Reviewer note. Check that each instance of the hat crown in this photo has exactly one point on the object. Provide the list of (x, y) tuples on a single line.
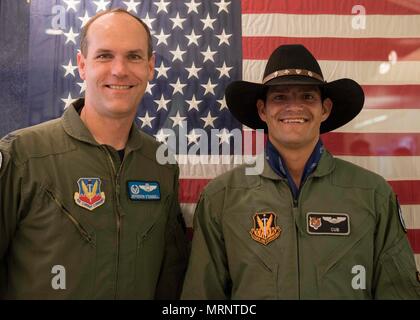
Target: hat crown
[(292, 56)]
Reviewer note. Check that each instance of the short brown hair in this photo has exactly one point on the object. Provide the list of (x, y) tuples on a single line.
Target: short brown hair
[(83, 36)]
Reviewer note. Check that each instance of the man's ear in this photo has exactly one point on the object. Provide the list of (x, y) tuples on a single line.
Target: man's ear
[(81, 65), (261, 110), (151, 63), (326, 108)]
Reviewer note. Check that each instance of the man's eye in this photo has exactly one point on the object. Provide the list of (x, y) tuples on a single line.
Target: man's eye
[(135, 57), (308, 96), (104, 56), (280, 97)]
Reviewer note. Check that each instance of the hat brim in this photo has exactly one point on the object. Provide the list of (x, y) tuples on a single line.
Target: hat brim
[(346, 94)]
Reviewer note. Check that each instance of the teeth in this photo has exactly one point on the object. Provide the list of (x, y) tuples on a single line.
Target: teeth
[(119, 87), (293, 120)]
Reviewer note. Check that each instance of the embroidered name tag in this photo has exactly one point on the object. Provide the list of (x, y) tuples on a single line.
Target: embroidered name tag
[(143, 190), (328, 223)]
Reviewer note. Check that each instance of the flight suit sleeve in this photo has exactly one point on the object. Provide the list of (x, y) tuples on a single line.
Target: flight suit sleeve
[(207, 274), (395, 276), (176, 251), (9, 201)]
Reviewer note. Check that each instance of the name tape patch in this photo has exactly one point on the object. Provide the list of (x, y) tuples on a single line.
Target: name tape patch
[(328, 223), (143, 190)]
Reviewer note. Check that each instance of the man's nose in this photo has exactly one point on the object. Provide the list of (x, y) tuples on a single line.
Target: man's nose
[(119, 67)]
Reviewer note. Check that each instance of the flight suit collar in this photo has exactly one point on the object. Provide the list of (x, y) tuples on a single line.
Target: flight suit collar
[(325, 166), (75, 128)]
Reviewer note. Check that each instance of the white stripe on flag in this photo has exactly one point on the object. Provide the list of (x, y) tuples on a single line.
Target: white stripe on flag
[(327, 25), (364, 72), (391, 168), (384, 121), (411, 215)]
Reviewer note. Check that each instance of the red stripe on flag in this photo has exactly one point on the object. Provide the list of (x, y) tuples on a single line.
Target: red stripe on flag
[(349, 49), (190, 189), (407, 191), (392, 96), (372, 144), (414, 238), (330, 7)]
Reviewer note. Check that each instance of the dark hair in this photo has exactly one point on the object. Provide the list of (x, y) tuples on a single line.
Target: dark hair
[(83, 36)]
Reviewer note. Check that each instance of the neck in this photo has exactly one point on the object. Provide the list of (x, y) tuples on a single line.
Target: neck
[(295, 159), (109, 131)]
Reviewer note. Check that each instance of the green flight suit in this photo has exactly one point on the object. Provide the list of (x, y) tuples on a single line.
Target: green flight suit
[(112, 248), (229, 259)]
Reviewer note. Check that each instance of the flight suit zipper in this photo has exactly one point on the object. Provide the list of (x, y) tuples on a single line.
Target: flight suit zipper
[(76, 223), (116, 183)]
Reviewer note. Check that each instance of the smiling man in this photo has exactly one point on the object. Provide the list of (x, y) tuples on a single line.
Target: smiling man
[(86, 212), (310, 226)]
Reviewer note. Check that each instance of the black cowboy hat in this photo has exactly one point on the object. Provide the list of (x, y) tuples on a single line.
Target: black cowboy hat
[(295, 65)]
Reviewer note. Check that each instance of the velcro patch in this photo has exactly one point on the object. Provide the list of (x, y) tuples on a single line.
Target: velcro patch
[(318, 223), (143, 190)]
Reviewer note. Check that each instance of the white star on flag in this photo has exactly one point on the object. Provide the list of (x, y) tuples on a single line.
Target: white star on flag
[(161, 6), (222, 6), (82, 86), (84, 19), (177, 21), (192, 6), (224, 38), (162, 71), (208, 22), (208, 54), (68, 101), (149, 87), (177, 120), (101, 5), (161, 137), (223, 104), (69, 69), (146, 120), (224, 136), (178, 87), (193, 103), (177, 54), (224, 70), (131, 5), (162, 103), (71, 4), (71, 36), (148, 21), (192, 137), (193, 71), (162, 38), (192, 38), (209, 87), (208, 121)]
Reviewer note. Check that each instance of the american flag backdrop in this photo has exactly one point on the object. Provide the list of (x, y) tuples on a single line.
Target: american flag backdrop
[(202, 45)]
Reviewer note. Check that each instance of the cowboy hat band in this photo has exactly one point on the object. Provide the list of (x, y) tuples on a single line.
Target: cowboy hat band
[(294, 65)]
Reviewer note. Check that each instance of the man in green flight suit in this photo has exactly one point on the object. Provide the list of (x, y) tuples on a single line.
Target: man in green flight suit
[(310, 226), (86, 212)]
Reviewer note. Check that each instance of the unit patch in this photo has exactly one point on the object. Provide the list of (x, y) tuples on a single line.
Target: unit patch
[(265, 229), (328, 223), (143, 190), (89, 196)]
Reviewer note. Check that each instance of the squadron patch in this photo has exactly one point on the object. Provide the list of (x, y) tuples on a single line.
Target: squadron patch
[(328, 223), (143, 190), (265, 229), (89, 196)]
